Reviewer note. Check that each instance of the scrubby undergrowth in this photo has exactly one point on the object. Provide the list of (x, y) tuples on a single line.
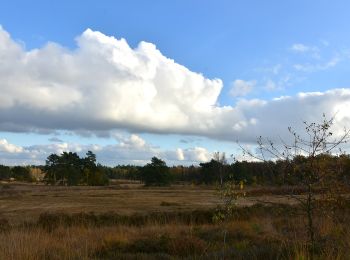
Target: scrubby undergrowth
[(258, 232)]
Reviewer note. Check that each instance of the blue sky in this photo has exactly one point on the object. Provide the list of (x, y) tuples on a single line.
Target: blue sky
[(259, 50)]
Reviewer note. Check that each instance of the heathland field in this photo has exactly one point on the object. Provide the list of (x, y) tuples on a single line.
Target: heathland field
[(25, 202), (126, 220)]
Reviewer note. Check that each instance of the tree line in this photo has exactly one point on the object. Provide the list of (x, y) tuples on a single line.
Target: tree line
[(20, 173), (69, 169), (280, 172)]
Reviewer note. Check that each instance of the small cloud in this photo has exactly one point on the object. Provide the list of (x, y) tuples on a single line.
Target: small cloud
[(55, 140), (299, 47), (137, 141), (280, 84), (201, 154), (195, 154), (242, 87), (189, 140), (308, 67), (331, 63), (271, 85), (314, 51), (325, 43), (133, 141), (180, 154), (5, 146), (271, 69), (276, 69)]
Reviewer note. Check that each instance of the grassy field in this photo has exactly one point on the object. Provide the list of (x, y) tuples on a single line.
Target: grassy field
[(128, 221), (25, 202)]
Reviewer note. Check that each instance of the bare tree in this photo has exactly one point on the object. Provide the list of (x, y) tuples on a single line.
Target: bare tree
[(221, 158), (306, 154)]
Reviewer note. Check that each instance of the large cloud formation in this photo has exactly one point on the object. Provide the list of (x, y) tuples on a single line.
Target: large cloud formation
[(101, 85), (104, 84)]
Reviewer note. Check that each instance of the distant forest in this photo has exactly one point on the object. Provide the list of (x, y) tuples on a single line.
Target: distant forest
[(70, 169)]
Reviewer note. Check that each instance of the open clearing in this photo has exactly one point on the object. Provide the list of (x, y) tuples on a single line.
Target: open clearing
[(260, 232), (24, 202)]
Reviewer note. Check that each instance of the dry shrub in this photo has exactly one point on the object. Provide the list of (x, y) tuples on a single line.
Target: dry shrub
[(163, 244), (169, 204), (51, 221), (4, 225)]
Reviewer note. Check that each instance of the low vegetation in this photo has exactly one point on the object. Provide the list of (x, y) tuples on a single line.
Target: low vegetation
[(256, 232)]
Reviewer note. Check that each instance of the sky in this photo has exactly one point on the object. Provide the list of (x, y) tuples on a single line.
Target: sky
[(179, 80)]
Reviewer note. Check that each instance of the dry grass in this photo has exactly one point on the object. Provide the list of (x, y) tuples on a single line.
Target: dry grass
[(25, 202), (133, 222), (255, 238)]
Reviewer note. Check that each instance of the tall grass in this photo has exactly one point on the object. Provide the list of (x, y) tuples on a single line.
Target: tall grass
[(258, 232)]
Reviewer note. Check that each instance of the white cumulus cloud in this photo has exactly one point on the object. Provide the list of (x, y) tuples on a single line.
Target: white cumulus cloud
[(9, 148), (103, 84)]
